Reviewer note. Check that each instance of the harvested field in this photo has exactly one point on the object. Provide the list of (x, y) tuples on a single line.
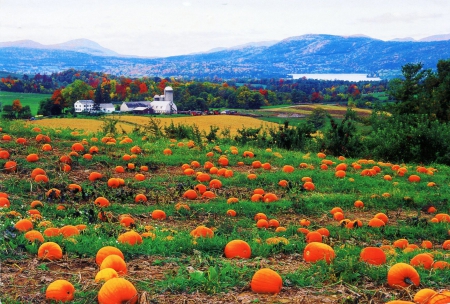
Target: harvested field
[(127, 122)]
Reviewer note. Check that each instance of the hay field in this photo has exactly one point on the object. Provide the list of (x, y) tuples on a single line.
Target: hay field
[(335, 111), (127, 122)]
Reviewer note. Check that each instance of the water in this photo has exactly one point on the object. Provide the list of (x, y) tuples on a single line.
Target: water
[(348, 77)]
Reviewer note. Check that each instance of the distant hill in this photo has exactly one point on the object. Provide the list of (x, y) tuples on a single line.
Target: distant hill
[(300, 54), (78, 45)]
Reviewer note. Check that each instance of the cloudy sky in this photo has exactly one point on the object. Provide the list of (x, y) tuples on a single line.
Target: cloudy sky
[(174, 27)]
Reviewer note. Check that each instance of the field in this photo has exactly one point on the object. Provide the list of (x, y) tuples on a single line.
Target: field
[(177, 212), (26, 99), (333, 110), (128, 122)]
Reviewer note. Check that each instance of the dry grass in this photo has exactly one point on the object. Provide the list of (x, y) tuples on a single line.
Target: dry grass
[(203, 122), (337, 111)]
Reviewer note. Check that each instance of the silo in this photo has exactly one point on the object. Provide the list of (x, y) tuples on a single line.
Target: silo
[(168, 94)]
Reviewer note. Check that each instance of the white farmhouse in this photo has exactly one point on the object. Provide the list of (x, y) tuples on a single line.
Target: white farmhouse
[(132, 105), (83, 106), (88, 106)]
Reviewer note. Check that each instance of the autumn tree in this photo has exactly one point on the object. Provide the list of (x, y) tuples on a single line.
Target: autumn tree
[(16, 106)]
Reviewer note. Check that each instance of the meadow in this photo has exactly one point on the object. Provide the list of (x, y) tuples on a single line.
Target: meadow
[(202, 222), (26, 99)]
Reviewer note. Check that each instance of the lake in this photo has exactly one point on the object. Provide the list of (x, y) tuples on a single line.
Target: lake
[(348, 77)]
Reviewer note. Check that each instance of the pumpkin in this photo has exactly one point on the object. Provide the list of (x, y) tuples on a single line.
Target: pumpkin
[(266, 281), (251, 176), (303, 230), (93, 176), (414, 178), (422, 259), (167, 151), (31, 158), (24, 225), (336, 209), (105, 275), (34, 235), (231, 212), (313, 236), (426, 245), (237, 249), (424, 295), (401, 243), (446, 245), (340, 174), (103, 252), (382, 217), (316, 251), (10, 166), (69, 230), (262, 223), (60, 290), (49, 232), (305, 222), (288, 169), (158, 214), (208, 194), (270, 197), (115, 262), (75, 188), (101, 202), (4, 202), (119, 169), (259, 216), (232, 200), (441, 265), (130, 237), (376, 222), (50, 251), (215, 184), (139, 177), (283, 183), (140, 198), (324, 231), (321, 155), (402, 275), (202, 231), (373, 256), (338, 216), (126, 221), (358, 204), (117, 291), (309, 186), (274, 223), (442, 297), (257, 197)]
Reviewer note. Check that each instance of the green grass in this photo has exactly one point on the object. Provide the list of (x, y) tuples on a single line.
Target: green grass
[(26, 99), (198, 265)]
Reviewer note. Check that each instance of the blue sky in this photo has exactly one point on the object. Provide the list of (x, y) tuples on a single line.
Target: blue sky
[(173, 27)]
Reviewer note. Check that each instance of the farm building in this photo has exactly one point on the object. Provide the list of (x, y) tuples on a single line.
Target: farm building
[(88, 106), (162, 104)]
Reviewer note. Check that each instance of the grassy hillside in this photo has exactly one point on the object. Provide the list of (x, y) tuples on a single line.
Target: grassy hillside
[(26, 99)]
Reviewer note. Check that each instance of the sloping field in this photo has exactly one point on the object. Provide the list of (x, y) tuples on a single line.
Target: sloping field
[(335, 111), (127, 122)]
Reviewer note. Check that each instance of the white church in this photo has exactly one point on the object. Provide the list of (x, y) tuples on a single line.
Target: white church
[(161, 104)]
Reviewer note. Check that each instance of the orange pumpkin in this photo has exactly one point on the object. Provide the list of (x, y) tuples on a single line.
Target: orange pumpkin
[(158, 214), (402, 275), (105, 275), (69, 230), (117, 290), (115, 262), (31, 158), (24, 225), (422, 259), (190, 194), (60, 290), (313, 236), (237, 249), (316, 251), (373, 256), (34, 235), (441, 297), (424, 295), (266, 281), (50, 251), (140, 198), (130, 237), (103, 252), (202, 231)]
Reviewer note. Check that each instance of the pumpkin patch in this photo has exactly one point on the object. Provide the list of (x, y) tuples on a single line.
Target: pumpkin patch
[(128, 218)]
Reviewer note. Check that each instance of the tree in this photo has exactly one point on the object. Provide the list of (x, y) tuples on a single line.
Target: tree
[(78, 90), (98, 98), (16, 106)]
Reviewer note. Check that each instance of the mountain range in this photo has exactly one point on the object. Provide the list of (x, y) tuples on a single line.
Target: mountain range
[(311, 53)]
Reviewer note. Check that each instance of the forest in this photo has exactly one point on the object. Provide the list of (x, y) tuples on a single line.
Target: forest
[(189, 94)]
